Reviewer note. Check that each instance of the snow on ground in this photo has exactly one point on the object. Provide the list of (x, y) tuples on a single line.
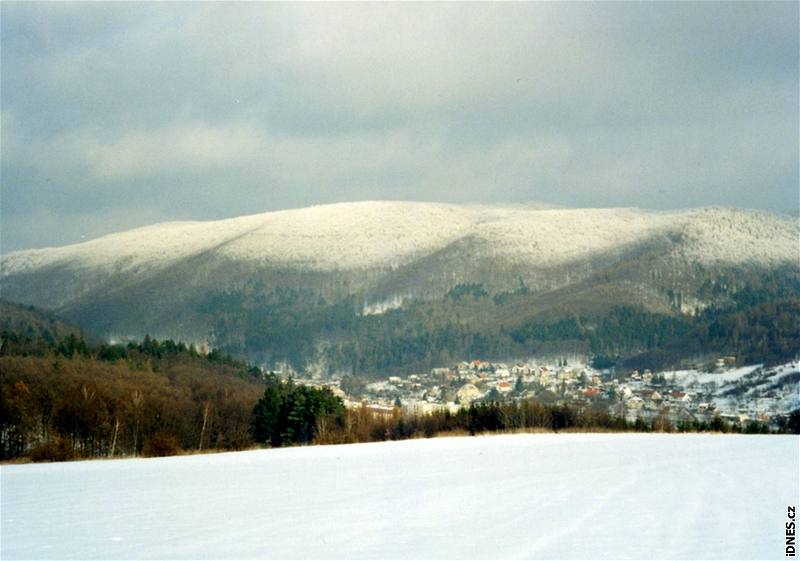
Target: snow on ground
[(516, 496), (720, 235), (387, 234), (689, 377), (747, 389), (775, 389)]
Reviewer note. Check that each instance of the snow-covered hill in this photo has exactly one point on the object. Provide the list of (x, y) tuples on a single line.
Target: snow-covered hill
[(747, 389), (545, 496), (160, 278), (388, 234)]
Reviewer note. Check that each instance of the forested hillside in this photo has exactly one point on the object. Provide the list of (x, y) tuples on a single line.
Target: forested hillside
[(381, 287), (65, 398), (33, 323), (754, 317)]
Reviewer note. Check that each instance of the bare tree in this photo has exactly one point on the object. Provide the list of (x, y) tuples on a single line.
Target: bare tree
[(114, 440), (205, 422), (136, 399)]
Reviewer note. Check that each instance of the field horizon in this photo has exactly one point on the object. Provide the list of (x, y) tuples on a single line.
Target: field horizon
[(503, 496)]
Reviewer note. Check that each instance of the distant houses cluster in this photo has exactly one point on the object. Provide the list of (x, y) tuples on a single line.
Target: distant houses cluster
[(646, 394)]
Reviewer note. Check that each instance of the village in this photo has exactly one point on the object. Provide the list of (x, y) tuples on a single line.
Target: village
[(680, 396)]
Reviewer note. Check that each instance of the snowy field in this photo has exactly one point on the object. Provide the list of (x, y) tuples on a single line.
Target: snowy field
[(518, 496)]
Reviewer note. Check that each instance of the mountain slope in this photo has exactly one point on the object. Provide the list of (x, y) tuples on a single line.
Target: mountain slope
[(29, 322), (390, 234), (315, 271)]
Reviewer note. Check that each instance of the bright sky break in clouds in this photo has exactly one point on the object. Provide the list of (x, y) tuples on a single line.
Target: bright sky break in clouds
[(116, 115)]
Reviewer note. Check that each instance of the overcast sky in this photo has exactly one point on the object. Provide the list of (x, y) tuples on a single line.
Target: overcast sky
[(120, 115)]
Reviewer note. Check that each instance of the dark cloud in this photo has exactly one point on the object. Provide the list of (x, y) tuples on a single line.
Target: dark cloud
[(119, 114)]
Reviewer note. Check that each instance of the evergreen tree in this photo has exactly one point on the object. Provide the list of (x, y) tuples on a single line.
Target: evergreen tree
[(288, 413)]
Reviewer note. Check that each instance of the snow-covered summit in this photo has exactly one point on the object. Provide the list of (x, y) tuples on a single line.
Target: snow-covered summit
[(389, 234)]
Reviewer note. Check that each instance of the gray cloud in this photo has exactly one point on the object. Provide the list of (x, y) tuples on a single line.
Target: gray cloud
[(118, 115)]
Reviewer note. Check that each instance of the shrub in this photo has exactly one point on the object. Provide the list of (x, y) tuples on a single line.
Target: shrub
[(162, 444), (56, 450)]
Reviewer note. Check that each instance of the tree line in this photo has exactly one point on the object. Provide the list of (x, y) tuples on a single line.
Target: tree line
[(364, 424), (290, 414), (75, 400), (68, 399)]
